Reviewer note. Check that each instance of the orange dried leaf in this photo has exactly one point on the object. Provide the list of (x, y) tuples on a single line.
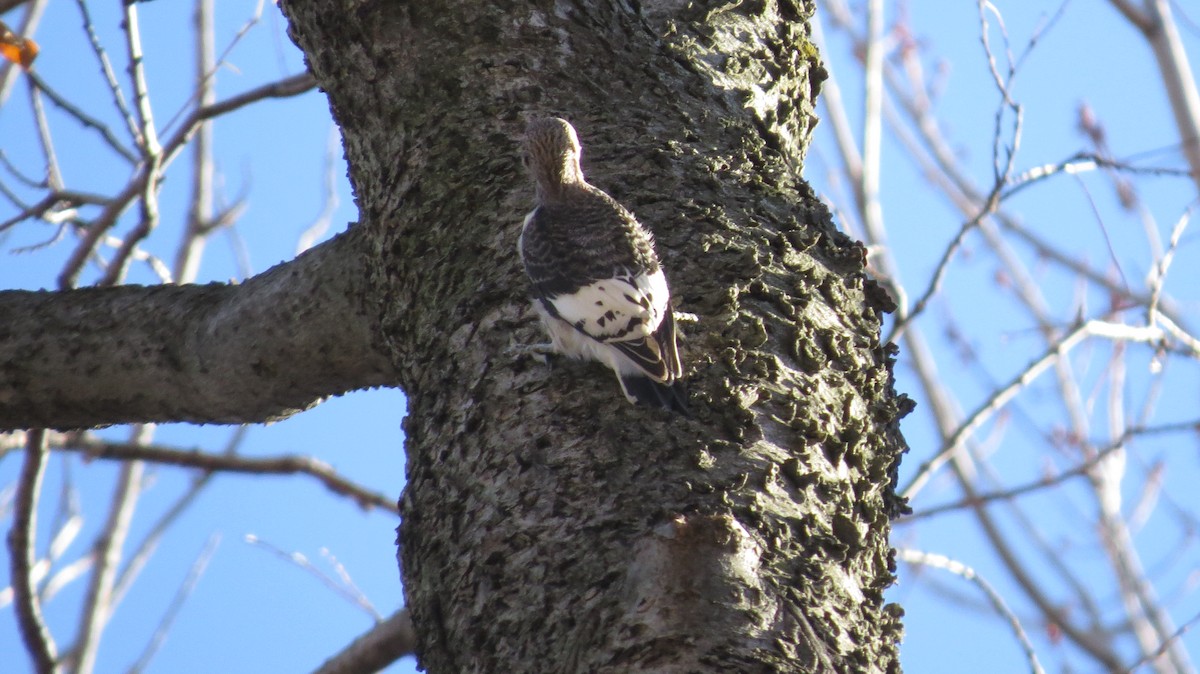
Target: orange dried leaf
[(17, 49)]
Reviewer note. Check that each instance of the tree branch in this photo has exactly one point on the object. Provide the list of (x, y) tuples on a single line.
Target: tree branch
[(38, 641), (379, 647), (195, 458), (181, 596), (1003, 395), (145, 176), (994, 597), (98, 604), (215, 353)]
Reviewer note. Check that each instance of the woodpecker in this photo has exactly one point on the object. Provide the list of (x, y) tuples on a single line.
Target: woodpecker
[(598, 285)]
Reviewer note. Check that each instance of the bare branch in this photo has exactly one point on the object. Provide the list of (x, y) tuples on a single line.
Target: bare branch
[(1001, 175), (206, 76), (997, 602), (146, 224), (1167, 643), (347, 591), (285, 88), (1079, 470), (195, 458), (1177, 77), (291, 86), (53, 174), (149, 544), (215, 353), (382, 645), (181, 596), (107, 70), (98, 602), (141, 93), (61, 202), (870, 210), (1158, 275), (1001, 397), (82, 117), (1137, 17), (200, 208), (21, 548), (939, 273)]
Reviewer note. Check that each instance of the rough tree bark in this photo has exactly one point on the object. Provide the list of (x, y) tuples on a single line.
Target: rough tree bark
[(215, 353), (547, 524)]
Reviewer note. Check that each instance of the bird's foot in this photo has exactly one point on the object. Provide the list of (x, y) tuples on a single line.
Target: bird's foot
[(521, 350)]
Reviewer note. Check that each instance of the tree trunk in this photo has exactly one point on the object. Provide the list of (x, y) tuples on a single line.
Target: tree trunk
[(548, 525)]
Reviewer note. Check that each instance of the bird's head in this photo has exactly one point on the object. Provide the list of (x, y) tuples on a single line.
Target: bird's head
[(552, 155)]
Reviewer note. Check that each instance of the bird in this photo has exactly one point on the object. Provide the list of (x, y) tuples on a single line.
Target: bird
[(597, 283)]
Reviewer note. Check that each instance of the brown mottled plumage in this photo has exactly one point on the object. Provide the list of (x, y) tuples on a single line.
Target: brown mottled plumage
[(597, 282)]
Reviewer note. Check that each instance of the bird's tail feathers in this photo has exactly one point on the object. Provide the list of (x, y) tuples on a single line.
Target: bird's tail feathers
[(643, 389)]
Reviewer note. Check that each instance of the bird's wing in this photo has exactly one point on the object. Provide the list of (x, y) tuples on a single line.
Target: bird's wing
[(626, 312)]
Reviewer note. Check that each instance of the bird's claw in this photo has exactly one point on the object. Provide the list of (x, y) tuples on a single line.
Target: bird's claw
[(521, 350)]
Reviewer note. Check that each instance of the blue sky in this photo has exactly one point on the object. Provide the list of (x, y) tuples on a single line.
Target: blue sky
[(269, 615)]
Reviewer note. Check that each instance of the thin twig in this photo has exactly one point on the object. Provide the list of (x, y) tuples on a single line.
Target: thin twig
[(1190, 343), (1175, 70), (82, 117), (53, 174), (867, 186), (157, 266), (347, 580), (349, 593), (146, 223), (149, 543), (151, 152), (200, 208), (997, 602), (1159, 275), (141, 92), (281, 465), (56, 200), (1046, 482), (110, 77), (1083, 162), (213, 65), (68, 518), (21, 547), (16, 172), (291, 86), (939, 273), (1001, 397), (65, 575), (98, 604), (181, 596), (1167, 643)]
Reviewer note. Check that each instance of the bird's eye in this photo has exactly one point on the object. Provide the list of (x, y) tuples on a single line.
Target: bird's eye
[(525, 160)]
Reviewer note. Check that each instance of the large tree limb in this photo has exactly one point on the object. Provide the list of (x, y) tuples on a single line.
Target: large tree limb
[(216, 353)]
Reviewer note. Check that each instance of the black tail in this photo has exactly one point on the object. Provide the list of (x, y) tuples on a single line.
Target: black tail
[(646, 391)]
